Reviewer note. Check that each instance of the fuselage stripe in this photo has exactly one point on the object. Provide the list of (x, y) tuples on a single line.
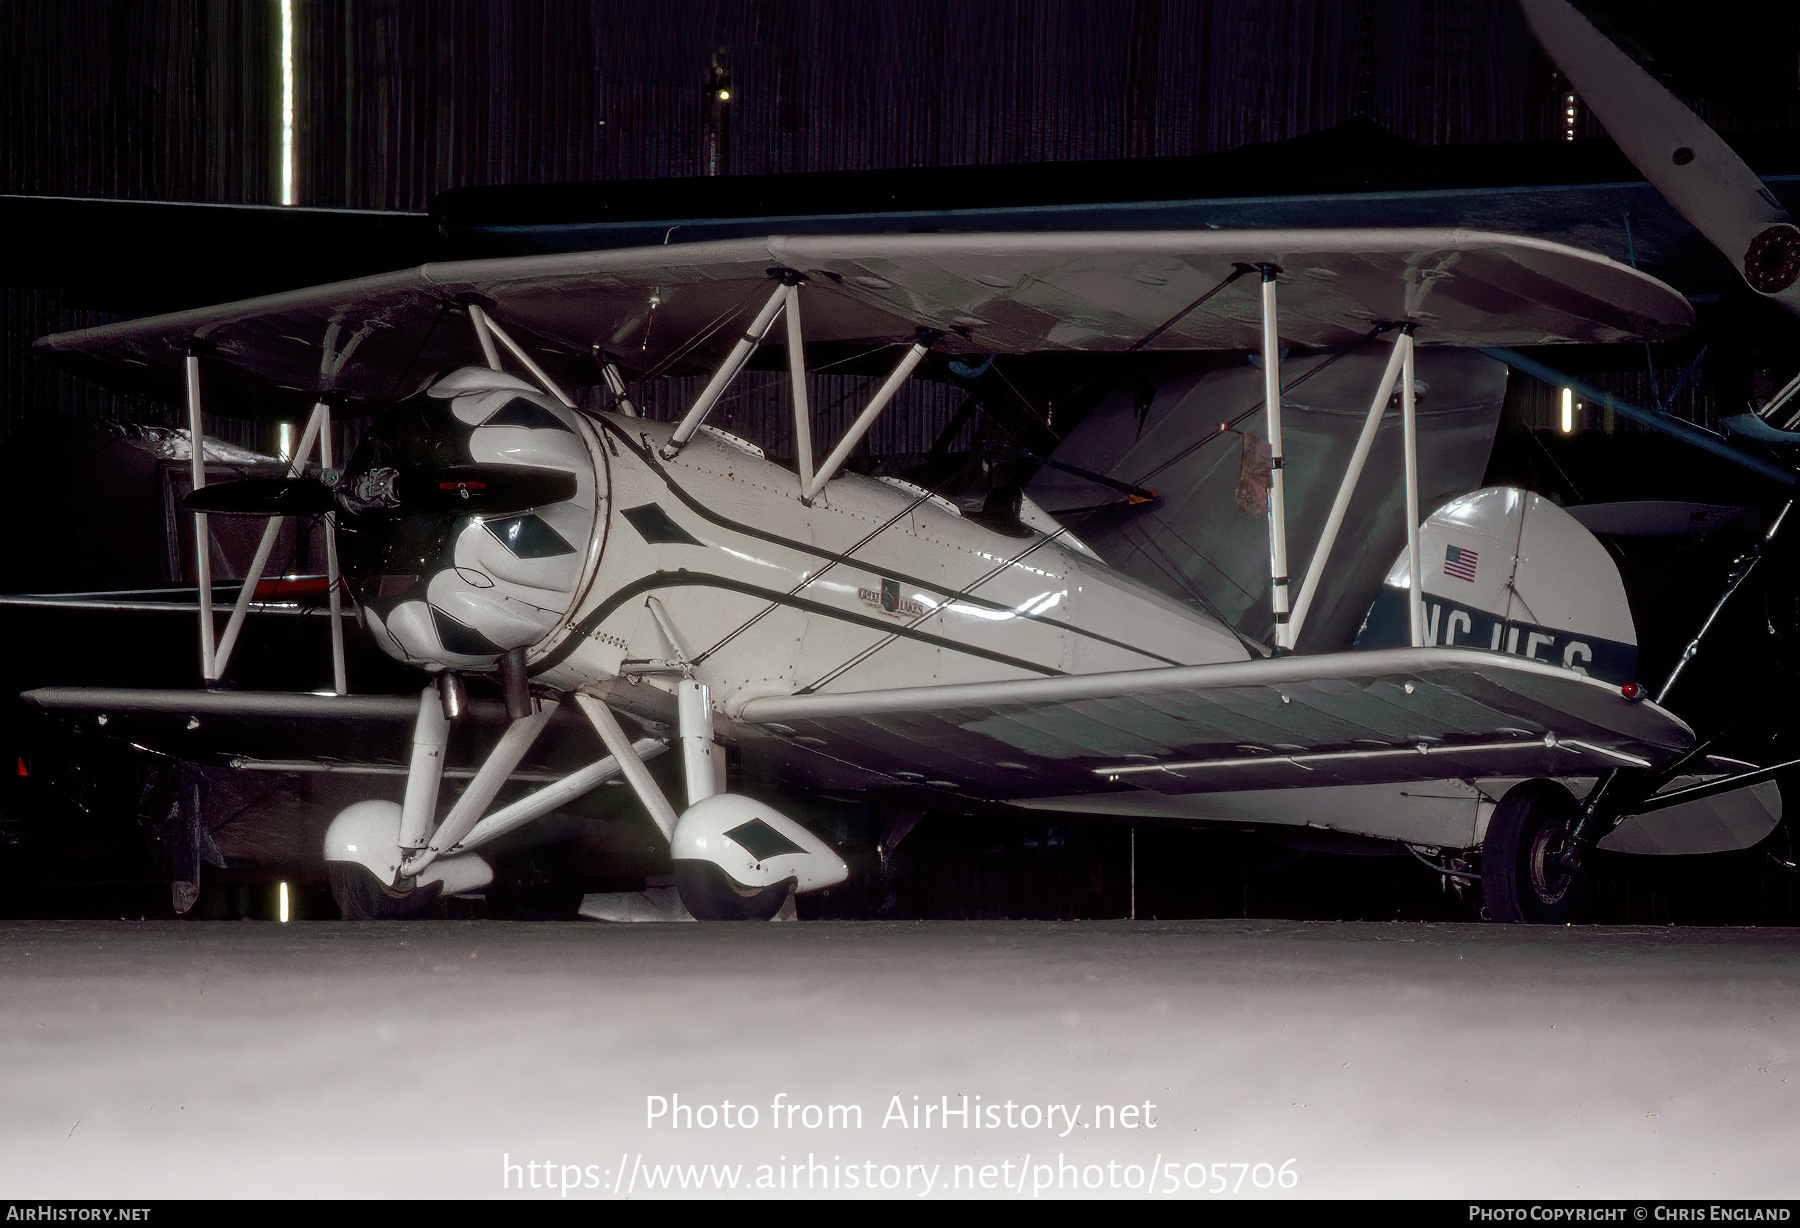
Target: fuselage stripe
[(679, 579)]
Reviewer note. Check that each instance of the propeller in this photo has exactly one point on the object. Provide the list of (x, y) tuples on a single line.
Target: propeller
[(1683, 158), (486, 490), (262, 497)]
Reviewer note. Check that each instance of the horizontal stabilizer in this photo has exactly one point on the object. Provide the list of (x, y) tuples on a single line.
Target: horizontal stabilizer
[(1662, 517)]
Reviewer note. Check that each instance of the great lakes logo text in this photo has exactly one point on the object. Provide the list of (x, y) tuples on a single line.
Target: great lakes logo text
[(888, 600)]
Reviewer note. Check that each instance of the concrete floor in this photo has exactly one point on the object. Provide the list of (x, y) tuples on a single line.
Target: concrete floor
[(411, 1060)]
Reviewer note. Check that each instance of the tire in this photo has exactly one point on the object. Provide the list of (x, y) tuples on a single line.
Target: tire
[(1520, 881), (711, 895), (361, 896)]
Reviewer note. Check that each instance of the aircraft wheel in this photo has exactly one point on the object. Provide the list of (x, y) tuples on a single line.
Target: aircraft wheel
[(361, 896), (711, 895), (1521, 880)]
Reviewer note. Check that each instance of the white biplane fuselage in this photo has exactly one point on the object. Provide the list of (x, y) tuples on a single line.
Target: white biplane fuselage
[(876, 585)]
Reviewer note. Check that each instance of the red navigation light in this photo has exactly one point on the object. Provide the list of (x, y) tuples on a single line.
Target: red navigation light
[(1632, 690)]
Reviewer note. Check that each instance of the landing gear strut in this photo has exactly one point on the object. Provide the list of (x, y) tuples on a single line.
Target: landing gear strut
[(735, 859), (1536, 855)]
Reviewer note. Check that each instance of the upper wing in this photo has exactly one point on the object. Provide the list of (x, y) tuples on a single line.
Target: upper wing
[(1339, 718), (379, 337)]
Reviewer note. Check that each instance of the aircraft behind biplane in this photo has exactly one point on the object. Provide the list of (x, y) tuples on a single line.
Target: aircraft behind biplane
[(679, 589)]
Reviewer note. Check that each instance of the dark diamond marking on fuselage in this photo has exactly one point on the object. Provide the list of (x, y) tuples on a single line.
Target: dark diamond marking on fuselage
[(528, 537), (520, 412), (460, 637), (657, 528), (761, 841)]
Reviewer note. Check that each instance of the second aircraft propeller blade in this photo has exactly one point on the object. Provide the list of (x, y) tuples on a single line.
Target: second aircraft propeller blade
[(1684, 159)]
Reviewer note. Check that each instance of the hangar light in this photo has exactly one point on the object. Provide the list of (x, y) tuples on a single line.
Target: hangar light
[(1568, 411), (284, 903), (287, 102)]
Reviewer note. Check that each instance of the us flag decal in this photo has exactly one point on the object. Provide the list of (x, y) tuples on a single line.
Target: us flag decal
[(1459, 562)]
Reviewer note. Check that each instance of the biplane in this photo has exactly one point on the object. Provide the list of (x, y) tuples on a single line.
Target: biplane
[(1446, 668)]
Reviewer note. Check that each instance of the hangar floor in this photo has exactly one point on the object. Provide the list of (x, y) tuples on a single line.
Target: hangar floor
[(418, 1060)]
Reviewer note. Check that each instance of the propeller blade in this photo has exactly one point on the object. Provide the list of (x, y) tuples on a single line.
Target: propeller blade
[(483, 489), (469, 490), (262, 497), (1680, 155)]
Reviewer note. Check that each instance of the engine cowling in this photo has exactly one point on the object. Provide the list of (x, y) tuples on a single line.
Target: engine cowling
[(441, 582)]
